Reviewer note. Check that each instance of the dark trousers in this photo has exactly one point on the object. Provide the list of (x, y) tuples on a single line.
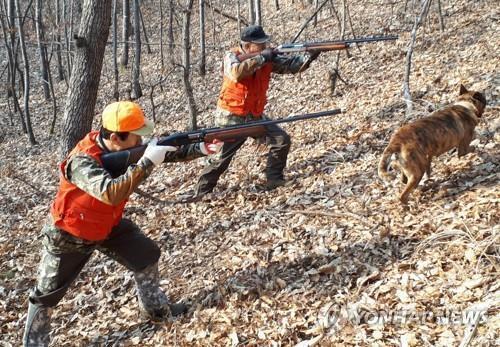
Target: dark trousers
[(64, 256), (276, 138)]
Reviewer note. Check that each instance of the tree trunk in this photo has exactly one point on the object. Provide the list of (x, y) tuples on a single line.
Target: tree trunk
[(334, 74), (193, 113), (67, 35), (84, 83), (148, 46), (440, 13), (161, 37), (26, 98), (258, 12), (60, 69), (9, 33), (406, 83), (171, 31), (116, 92), (42, 49), (202, 63), (238, 16), (251, 12), (125, 31), (136, 85), (11, 30)]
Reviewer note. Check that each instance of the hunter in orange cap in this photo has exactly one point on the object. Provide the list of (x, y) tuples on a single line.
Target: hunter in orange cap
[(86, 215), (126, 116)]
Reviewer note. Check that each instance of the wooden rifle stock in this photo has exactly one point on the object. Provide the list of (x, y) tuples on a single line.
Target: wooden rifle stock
[(321, 46), (117, 162)]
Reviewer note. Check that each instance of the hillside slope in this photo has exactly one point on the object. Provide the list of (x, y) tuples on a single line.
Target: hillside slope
[(321, 260)]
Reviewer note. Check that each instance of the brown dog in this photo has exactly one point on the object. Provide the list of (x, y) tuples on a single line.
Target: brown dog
[(416, 143)]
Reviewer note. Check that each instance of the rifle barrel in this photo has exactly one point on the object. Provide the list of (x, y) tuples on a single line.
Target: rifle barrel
[(276, 121), (297, 47)]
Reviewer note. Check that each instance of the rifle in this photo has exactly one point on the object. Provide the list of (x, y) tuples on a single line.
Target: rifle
[(319, 46), (117, 162)]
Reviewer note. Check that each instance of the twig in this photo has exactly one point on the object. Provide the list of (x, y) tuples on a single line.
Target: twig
[(470, 329), (223, 14), (442, 235), (329, 214), (23, 180), (144, 194), (307, 21)]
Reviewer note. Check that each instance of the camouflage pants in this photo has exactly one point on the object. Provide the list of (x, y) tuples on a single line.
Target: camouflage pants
[(276, 138), (64, 256)]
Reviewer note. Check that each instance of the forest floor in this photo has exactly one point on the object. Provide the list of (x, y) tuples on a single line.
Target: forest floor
[(332, 258)]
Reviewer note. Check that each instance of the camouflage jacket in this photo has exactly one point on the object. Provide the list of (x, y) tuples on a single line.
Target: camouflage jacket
[(236, 70), (87, 174), (282, 64)]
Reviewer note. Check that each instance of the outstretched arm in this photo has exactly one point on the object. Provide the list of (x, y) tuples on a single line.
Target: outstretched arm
[(283, 64), (87, 174)]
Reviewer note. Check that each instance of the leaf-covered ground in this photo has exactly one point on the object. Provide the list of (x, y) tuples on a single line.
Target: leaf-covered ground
[(332, 258)]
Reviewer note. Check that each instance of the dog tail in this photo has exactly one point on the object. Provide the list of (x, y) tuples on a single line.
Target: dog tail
[(384, 161)]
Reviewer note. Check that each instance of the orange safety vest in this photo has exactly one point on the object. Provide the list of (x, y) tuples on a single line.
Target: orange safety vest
[(77, 212), (249, 95)]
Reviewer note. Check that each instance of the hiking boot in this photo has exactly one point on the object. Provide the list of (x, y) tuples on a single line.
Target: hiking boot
[(274, 183), (36, 332), (178, 309), (270, 185), (164, 313), (153, 302), (192, 196)]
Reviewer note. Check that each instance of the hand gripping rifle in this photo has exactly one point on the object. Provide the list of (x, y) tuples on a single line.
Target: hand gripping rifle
[(320, 46), (117, 162)]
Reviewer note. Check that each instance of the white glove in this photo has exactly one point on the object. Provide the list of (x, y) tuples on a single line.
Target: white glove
[(156, 153), (208, 148)]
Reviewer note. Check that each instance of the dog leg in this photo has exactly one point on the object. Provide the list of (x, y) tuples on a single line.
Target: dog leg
[(428, 168), (464, 146), (413, 181), (404, 179)]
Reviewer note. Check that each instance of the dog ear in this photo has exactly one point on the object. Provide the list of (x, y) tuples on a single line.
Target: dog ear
[(463, 90)]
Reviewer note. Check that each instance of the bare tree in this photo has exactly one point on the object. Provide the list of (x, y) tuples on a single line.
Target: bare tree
[(440, 13), (116, 93), (335, 74), (84, 82), (171, 31), (9, 31), (42, 49), (258, 12), (202, 62), (9, 34), (136, 70), (20, 27), (68, 33), (251, 11), (186, 62), (308, 20), (406, 83), (57, 39), (146, 39), (125, 31), (238, 15), (161, 37)]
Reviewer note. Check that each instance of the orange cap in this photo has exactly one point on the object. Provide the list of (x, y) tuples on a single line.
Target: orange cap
[(126, 116)]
